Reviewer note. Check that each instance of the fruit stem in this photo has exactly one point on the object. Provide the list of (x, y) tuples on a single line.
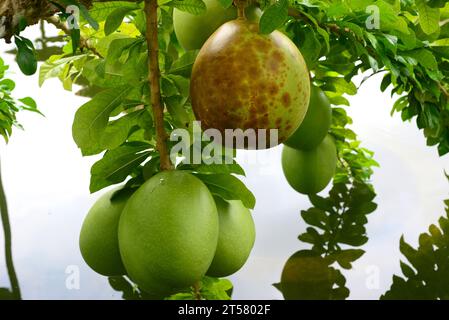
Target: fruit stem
[(196, 290), (241, 5), (154, 82), (8, 243)]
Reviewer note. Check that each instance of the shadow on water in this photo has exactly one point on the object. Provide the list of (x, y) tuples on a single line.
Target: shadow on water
[(129, 290), (340, 219), (14, 293), (426, 270), (336, 230)]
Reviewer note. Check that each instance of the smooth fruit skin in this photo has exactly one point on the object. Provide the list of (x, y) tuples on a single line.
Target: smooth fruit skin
[(316, 124), (192, 31), (168, 232), (236, 237), (98, 238), (242, 79), (309, 172)]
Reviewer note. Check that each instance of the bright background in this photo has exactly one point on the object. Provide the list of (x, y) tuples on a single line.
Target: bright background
[(47, 179)]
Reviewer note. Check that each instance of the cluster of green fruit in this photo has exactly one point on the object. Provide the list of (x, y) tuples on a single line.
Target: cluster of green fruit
[(309, 158), (168, 234), (171, 232)]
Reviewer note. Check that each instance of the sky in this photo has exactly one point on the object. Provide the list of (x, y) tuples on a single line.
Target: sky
[(47, 184)]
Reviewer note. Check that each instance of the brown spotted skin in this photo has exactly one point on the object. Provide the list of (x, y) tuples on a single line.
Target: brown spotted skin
[(242, 79)]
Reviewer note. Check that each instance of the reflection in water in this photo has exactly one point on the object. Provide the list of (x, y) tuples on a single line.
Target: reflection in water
[(309, 276), (129, 290), (340, 219), (334, 221), (426, 276), (6, 294)]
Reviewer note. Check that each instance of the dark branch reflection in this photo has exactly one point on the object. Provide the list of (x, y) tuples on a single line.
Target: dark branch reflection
[(15, 292)]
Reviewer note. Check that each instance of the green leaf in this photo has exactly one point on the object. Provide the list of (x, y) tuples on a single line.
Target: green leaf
[(345, 258), (75, 34), (117, 131), (440, 43), (215, 289), (101, 10), (182, 296), (226, 3), (389, 19), (92, 118), (274, 17), (26, 56), (316, 217), (228, 187), (195, 7), (183, 65), (429, 18), (86, 15), (233, 168), (426, 276), (30, 105), (116, 165), (55, 67), (126, 60), (115, 19), (309, 45), (424, 57), (83, 11)]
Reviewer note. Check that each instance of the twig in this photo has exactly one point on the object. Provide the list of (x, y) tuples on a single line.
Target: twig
[(370, 76), (84, 43), (8, 243), (154, 82)]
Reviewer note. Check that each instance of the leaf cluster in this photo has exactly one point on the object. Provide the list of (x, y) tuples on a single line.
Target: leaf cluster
[(9, 105)]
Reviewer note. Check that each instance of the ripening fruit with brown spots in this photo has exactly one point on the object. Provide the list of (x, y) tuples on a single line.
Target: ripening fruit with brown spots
[(242, 79)]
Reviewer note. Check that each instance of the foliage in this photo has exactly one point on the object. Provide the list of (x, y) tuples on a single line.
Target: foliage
[(407, 40), (426, 276), (9, 105)]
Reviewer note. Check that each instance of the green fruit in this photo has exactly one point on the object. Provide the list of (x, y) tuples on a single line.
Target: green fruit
[(310, 171), (316, 124), (168, 232), (192, 30), (307, 276), (235, 238), (98, 238), (242, 79)]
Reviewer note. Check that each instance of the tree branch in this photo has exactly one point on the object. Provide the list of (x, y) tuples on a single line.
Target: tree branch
[(13, 11), (154, 82), (84, 43)]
